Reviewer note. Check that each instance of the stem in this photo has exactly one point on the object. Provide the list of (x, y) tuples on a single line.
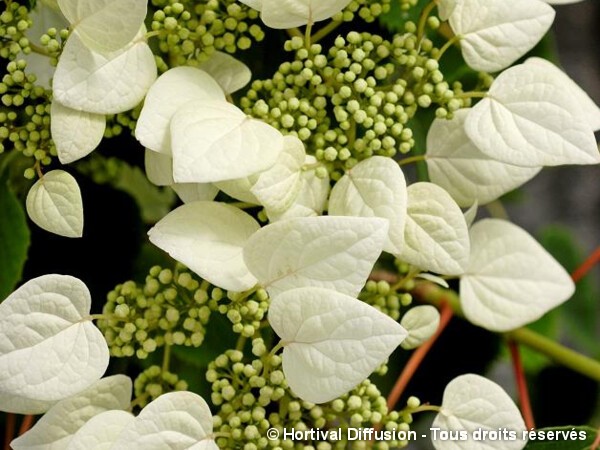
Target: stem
[(166, 358), (596, 442), (472, 94), (417, 358), (38, 170), (294, 32), (586, 266), (446, 46), (424, 408), (243, 205), (411, 160), (526, 410), (497, 210), (325, 31), (307, 35), (11, 423), (241, 342), (26, 424), (423, 20), (435, 295), (39, 50)]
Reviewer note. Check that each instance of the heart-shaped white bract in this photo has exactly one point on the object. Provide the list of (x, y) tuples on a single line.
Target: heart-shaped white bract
[(104, 83), (511, 280), (215, 141), (278, 187), (231, 74), (589, 110), (494, 34), (530, 119), (332, 341), (208, 237), (473, 404), (331, 252), (105, 25), (240, 189), (101, 431), (49, 347), (436, 234), (72, 146), (54, 203), (445, 8), (374, 187), (467, 174), (174, 421), (171, 91), (421, 322), (282, 14), (56, 429)]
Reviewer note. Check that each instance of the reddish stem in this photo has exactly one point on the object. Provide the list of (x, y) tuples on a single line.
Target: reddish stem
[(11, 422), (521, 385), (26, 424), (586, 266), (417, 358), (596, 442)]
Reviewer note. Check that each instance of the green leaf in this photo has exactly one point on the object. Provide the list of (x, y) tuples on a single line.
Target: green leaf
[(559, 438), (14, 239)]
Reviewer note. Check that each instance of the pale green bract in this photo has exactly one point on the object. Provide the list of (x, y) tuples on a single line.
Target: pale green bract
[(54, 203), (331, 341), (421, 322), (63, 422), (510, 279), (282, 14), (231, 74), (48, 344)]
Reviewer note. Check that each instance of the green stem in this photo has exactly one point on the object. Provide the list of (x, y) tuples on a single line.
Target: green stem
[(307, 35), (412, 159), (325, 31), (446, 46), (423, 20), (294, 32), (431, 293), (424, 408), (497, 210), (166, 358), (241, 342), (472, 94)]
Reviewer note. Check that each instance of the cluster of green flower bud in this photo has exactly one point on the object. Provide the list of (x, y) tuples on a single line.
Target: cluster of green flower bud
[(118, 123), (189, 32), (170, 308), (385, 298), (367, 10), (25, 122), (153, 382), (53, 42), (245, 310), (14, 23)]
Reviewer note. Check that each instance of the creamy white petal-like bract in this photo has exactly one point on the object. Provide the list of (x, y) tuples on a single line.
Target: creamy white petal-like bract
[(56, 429), (471, 214), (193, 192), (436, 234), (421, 322), (89, 130), (231, 74), (49, 347), (215, 141), (101, 431), (494, 34), (511, 280), (445, 8), (467, 174), (529, 119), (240, 188), (105, 25), (278, 187), (326, 251), (104, 83), (54, 203), (589, 109), (332, 341), (208, 237), (171, 91), (475, 405), (374, 187), (174, 421), (282, 14)]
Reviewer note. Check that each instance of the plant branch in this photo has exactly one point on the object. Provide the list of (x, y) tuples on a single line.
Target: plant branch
[(26, 424), (525, 402), (417, 358), (11, 422), (586, 266), (294, 32), (325, 31)]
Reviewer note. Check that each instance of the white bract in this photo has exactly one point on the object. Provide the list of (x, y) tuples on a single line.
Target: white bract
[(471, 214), (171, 91), (54, 203), (374, 187), (467, 174), (105, 25), (174, 421), (331, 252), (495, 33), (332, 341), (104, 83), (282, 14), (510, 280), (421, 322), (216, 141), (436, 234), (71, 145), (49, 348), (231, 74), (208, 237), (473, 404), (240, 189), (101, 431), (56, 429), (529, 119)]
